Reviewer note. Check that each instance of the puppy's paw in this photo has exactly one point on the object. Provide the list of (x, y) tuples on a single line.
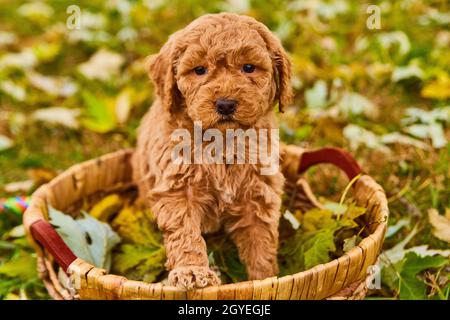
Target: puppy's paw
[(193, 277)]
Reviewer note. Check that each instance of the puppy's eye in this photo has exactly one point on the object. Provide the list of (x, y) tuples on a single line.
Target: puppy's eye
[(200, 70), (248, 68)]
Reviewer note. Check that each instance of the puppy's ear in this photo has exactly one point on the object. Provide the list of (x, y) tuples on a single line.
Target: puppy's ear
[(161, 70), (282, 66)]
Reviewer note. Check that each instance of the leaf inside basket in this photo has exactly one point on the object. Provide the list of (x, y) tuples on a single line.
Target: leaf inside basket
[(89, 239)]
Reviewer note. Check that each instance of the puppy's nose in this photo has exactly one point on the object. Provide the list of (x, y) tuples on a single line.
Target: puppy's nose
[(226, 107)]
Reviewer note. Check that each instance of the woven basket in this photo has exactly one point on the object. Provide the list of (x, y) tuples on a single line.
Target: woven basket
[(342, 278)]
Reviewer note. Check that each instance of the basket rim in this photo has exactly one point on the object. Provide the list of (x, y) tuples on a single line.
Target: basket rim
[(34, 216)]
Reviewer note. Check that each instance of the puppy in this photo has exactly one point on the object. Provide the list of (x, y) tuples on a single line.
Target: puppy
[(225, 71)]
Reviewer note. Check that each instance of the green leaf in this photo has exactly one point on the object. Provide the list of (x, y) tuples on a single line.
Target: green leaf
[(99, 116), (230, 265), (317, 248), (411, 288), (313, 243), (139, 262), (22, 265)]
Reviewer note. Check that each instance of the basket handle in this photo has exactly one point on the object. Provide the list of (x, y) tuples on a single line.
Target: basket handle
[(43, 232), (339, 157)]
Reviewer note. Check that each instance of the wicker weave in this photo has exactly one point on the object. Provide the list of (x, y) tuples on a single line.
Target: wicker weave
[(342, 278)]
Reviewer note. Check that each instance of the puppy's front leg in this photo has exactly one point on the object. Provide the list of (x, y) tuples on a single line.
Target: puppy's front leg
[(257, 244), (254, 229), (180, 221)]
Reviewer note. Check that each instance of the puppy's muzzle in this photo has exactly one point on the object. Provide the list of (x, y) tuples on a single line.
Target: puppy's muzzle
[(226, 107)]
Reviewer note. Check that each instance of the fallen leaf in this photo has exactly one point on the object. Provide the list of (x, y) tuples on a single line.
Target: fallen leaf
[(47, 51), (438, 89), (424, 251), (316, 97), (358, 136), (55, 86), (433, 131), (392, 230), (397, 252), (14, 90), (7, 38), (35, 9), (5, 142), (418, 130), (26, 59), (317, 248), (102, 65), (441, 225), (99, 115), (407, 72), (123, 106), (317, 219), (138, 262), (314, 241), (437, 135), (93, 20), (17, 231), (134, 226), (411, 288), (107, 207), (19, 186), (237, 6), (389, 40), (22, 265), (12, 296), (58, 115), (356, 104), (396, 137), (433, 15), (415, 114)]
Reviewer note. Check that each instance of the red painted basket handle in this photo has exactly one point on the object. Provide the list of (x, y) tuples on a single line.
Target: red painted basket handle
[(44, 233), (340, 158)]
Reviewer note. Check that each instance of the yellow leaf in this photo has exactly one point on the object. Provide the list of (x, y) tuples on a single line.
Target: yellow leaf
[(135, 227), (316, 219), (441, 225), (12, 296), (107, 207), (438, 89)]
